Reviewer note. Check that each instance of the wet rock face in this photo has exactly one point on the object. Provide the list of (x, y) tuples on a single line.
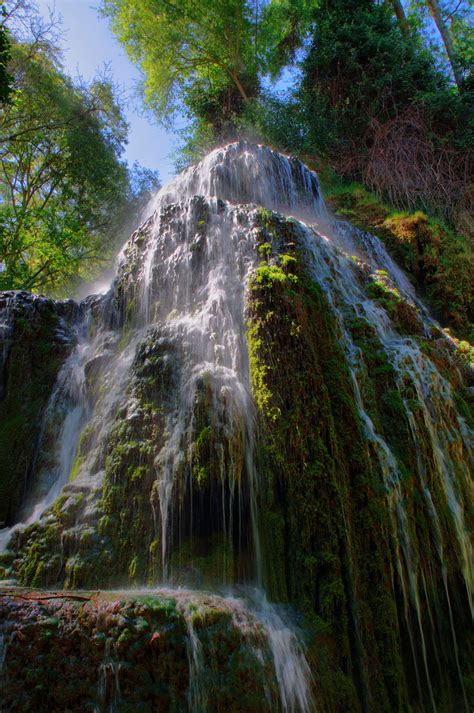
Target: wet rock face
[(355, 514), (153, 653), (162, 467), (36, 336), (244, 173)]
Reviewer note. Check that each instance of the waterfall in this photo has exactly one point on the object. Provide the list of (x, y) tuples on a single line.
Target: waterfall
[(415, 374), (108, 690), (149, 437), (334, 270)]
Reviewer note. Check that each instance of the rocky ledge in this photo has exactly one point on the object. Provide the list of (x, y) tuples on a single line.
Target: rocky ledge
[(148, 651)]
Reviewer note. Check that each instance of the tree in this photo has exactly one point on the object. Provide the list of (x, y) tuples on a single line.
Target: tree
[(381, 109), (61, 172), (195, 57), (5, 77), (65, 193), (445, 35), (358, 68), (447, 27), (207, 60), (401, 16), (282, 29)]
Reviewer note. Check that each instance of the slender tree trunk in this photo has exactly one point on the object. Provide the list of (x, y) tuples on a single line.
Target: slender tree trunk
[(401, 17), (234, 73), (446, 36), (240, 87)]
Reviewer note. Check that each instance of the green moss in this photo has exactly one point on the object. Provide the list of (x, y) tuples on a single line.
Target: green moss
[(288, 261), (439, 260), (132, 568), (76, 466), (465, 352), (265, 250), (33, 363), (380, 287), (202, 457), (316, 515), (130, 310), (265, 217), (267, 275), (464, 408), (259, 372)]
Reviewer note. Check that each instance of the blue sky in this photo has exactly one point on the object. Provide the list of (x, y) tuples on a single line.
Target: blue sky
[(88, 45)]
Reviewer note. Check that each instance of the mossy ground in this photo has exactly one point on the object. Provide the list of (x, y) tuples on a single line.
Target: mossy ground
[(127, 653), (439, 261)]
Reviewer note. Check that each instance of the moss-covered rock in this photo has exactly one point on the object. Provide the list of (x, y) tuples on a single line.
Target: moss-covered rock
[(80, 652), (36, 338), (343, 485), (327, 513), (438, 260)]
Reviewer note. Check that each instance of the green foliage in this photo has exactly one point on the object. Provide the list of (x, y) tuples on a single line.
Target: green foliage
[(377, 105), (265, 250), (457, 19), (359, 67), (196, 57), (267, 275), (61, 170), (283, 27), (65, 194), (5, 76), (207, 60), (371, 96), (439, 260)]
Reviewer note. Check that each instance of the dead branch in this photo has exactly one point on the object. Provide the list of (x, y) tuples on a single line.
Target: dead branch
[(30, 597)]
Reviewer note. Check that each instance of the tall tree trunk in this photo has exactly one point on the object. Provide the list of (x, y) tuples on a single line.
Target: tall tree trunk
[(240, 87), (446, 36), (401, 17)]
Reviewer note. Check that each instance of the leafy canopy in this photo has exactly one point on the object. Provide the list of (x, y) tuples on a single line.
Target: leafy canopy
[(359, 66), (197, 57), (207, 59), (5, 77), (65, 192)]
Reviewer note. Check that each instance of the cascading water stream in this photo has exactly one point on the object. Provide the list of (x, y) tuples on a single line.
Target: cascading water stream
[(67, 413), (210, 321), (207, 320), (292, 670), (334, 271), (108, 690), (192, 286), (63, 417), (243, 173)]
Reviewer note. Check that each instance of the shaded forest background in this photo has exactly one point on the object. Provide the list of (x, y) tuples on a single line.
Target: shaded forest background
[(377, 96)]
